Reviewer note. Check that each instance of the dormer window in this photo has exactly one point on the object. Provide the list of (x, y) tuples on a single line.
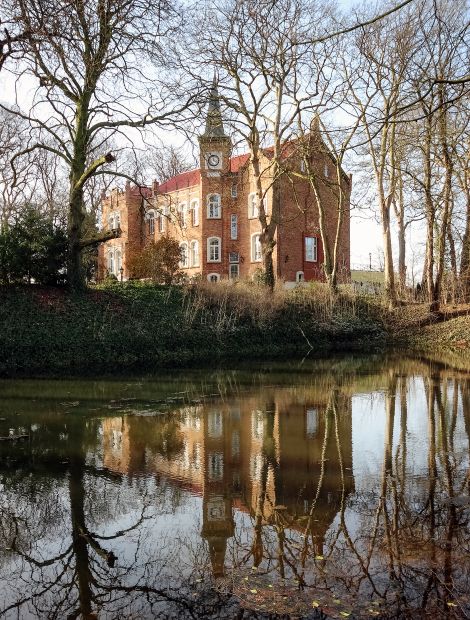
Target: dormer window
[(213, 206)]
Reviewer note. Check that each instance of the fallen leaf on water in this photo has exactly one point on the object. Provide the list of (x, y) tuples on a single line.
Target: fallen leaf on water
[(319, 557), (315, 604), (254, 591), (270, 585), (336, 600), (451, 604), (345, 614), (245, 578)]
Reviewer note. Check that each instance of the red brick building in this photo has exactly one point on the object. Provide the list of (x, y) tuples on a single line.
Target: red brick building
[(212, 211)]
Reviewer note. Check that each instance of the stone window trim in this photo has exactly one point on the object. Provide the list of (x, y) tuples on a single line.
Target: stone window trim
[(150, 217), (233, 226), (184, 262), (161, 221), (183, 214), (194, 208), (213, 277), (214, 207), (114, 221), (194, 253), (253, 209), (214, 250), (256, 256)]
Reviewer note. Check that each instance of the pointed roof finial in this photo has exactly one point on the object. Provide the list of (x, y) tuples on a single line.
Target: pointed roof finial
[(214, 123)]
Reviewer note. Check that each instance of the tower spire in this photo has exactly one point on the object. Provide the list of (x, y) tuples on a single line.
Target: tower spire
[(214, 124)]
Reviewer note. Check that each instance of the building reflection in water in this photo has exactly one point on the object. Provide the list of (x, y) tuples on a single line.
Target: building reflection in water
[(284, 459)]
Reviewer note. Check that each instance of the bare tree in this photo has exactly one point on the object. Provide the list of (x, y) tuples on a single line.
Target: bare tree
[(105, 80)]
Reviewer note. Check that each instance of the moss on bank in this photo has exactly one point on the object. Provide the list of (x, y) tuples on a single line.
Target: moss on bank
[(138, 326)]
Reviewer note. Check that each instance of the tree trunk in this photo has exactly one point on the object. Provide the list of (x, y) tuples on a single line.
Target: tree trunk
[(447, 197), (465, 258)]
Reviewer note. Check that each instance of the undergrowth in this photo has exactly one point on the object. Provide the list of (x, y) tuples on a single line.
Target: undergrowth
[(114, 328)]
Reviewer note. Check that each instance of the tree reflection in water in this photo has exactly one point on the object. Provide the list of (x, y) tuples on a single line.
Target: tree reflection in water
[(337, 486)]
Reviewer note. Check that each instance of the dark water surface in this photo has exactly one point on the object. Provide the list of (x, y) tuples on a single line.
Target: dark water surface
[(339, 485)]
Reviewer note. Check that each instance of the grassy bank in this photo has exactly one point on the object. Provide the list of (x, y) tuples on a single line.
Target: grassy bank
[(136, 326)]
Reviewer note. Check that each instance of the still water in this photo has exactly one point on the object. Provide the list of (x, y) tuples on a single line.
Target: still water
[(338, 485)]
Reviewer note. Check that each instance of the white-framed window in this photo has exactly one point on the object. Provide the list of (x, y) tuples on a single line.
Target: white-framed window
[(161, 222), (253, 210), (233, 226), (118, 262), (111, 261), (299, 276), (214, 250), (184, 260), (234, 190), (255, 248), (183, 213), (151, 222), (195, 212), (213, 277), (194, 254), (213, 206), (311, 249), (234, 271), (114, 221)]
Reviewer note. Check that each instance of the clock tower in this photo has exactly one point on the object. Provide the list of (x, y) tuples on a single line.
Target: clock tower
[(214, 144)]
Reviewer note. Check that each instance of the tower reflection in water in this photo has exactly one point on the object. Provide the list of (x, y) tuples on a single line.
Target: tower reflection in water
[(283, 459)]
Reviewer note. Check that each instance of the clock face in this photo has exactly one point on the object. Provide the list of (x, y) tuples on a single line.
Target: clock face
[(213, 160)]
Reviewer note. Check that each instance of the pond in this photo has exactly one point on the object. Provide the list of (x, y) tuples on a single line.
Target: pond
[(337, 487)]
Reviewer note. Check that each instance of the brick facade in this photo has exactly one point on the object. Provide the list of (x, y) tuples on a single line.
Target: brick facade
[(140, 209)]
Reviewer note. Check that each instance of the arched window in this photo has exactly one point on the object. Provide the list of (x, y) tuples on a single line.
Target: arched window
[(195, 212), (213, 277), (255, 248), (118, 262), (117, 221), (253, 210), (194, 254), (151, 222), (111, 222), (214, 250), (213, 206), (184, 260)]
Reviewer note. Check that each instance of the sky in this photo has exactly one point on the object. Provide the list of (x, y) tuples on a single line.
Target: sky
[(366, 236)]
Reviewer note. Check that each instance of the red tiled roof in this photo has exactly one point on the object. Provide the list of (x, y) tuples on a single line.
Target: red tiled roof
[(192, 177), (238, 162), (180, 181)]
